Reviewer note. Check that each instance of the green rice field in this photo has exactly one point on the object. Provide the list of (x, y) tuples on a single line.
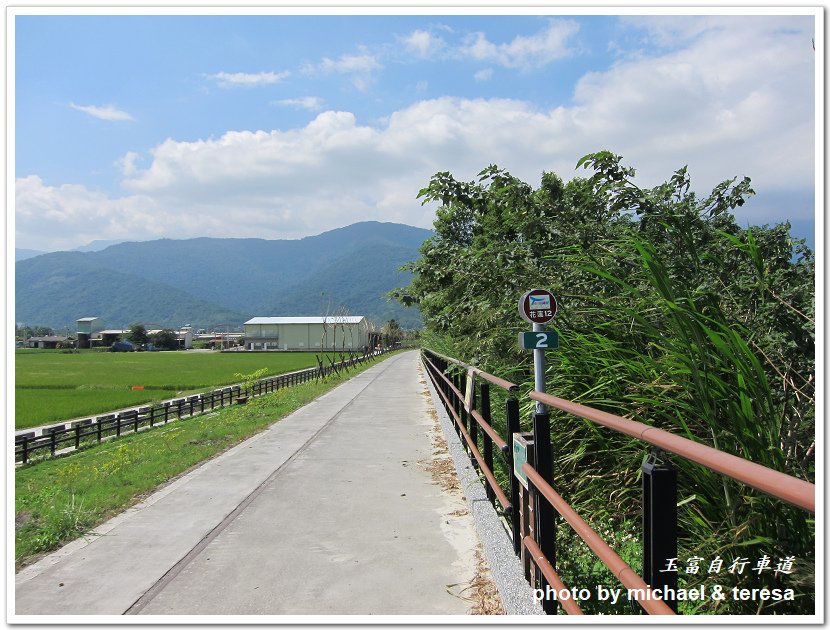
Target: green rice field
[(51, 386)]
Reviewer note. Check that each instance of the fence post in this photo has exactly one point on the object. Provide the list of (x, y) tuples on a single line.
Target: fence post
[(462, 387), (513, 426), (469, 381), (441, 369), (454, 378), (659, 524), (451, 382), (456, 401), (488, 441), (545, 514)]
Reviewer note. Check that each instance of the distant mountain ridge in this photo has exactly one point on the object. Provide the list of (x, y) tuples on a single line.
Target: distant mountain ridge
[(94, 246), (23, 254), (214, 281)]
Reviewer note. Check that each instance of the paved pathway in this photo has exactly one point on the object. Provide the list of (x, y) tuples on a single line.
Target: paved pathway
[(327, 512)]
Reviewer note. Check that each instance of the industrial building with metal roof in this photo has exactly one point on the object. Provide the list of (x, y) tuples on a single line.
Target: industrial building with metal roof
[(307, 333)]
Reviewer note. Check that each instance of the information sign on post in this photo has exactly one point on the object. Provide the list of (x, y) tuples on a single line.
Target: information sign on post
[(537, 306), (520, 458)]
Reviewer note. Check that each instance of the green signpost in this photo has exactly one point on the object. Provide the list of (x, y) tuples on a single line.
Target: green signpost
[(539, 340)]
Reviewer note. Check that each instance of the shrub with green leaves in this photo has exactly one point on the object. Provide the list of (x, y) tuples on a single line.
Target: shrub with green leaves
[(670, 313)]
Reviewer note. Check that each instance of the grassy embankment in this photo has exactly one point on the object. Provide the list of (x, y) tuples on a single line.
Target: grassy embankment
[(57, 500), (51, 386)]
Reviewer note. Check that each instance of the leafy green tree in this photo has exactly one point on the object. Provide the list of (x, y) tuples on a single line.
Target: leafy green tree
[(669, 313), (392, 333), (67, 344), (33, 331), (166, 340), (138, 334)]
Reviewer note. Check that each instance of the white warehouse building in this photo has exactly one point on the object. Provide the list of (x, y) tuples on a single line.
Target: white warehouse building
[(307, 333)]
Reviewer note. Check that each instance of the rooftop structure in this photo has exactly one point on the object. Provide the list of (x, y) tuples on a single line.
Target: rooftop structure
[(307, 333)]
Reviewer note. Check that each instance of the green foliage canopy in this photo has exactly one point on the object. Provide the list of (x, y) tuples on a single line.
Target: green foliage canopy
[(138, 334), (669, 313), (166, 339)]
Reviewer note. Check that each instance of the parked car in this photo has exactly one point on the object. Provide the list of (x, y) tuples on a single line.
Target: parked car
[(122, 346)]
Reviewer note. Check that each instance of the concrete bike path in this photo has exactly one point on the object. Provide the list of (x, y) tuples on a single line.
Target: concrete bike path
[(331, 511)]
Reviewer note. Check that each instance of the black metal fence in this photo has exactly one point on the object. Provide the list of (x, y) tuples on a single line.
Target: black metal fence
[(61, 438)]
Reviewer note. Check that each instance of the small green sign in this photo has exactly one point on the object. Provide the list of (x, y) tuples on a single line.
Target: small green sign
[(547, 340), (519, 459)]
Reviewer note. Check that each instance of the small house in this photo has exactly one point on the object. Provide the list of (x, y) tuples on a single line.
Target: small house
[(51, 342)]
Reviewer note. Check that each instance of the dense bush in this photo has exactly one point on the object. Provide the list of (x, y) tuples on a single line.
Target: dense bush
[(670, 313)]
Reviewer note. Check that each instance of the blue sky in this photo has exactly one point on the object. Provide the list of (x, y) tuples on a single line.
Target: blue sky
[(136, 127)]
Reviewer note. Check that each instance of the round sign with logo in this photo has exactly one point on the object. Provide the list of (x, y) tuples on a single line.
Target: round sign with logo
[(537, 306)]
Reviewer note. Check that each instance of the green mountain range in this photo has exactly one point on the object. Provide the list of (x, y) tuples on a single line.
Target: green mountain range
[(209, 282)]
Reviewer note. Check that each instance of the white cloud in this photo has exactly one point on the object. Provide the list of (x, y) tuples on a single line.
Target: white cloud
[(524, 52), (257, 160), (423, 44), (244, 79), (127, 164), (736, 103), (312, 103), (674, 31), (358, 68), (350, 64), (107, 112), (483, 75), (62, 217)]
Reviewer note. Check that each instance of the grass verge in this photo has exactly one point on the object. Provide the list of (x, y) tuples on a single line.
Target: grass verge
[(58, 500)]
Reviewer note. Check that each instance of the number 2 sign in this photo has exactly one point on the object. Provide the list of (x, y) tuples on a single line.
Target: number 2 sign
[(548, 340)]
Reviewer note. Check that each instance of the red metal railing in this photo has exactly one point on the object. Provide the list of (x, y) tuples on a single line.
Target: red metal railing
[(468, 418), (790, 489), (447, 390)]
